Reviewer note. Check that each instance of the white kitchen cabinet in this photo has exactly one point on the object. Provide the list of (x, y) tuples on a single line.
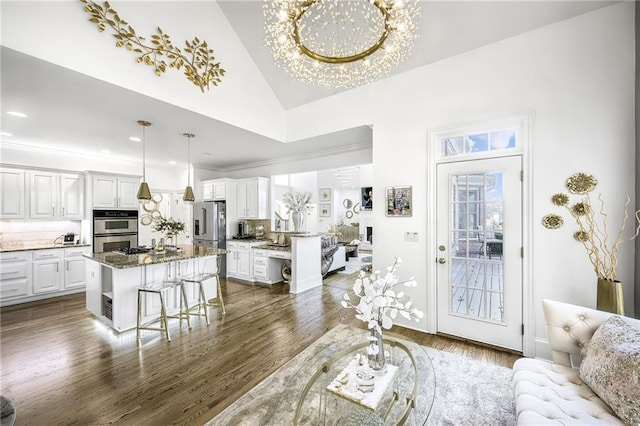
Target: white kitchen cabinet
[(74, 267), (48, 270), (240, 259), (253, 198), (93, 289), (72, 197), (15, 274), (110, 191), (12, 196), (267, 265), (43, 195), (56, 196), (215, 190)]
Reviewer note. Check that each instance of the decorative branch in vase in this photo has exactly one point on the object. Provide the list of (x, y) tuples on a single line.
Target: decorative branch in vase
[(298, 205), (378, 305), (594, 235)]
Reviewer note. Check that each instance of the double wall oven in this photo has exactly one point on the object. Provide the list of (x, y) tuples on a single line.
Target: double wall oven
[(114, 230)]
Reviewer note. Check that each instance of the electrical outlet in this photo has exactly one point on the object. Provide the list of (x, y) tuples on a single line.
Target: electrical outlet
[(411, 237)]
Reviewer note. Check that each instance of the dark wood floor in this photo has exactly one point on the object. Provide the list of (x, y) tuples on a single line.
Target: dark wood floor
[(60, 365)]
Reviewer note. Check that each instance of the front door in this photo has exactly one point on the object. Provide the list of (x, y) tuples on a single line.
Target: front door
[(479, 243)]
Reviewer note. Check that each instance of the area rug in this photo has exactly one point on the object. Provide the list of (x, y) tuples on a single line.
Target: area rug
[(355, 264), (467, 392)]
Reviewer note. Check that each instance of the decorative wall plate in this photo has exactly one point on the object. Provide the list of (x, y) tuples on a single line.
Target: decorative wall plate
[(349, 214), (157, 197), (146, 219), (347, 203), (552, 221), (581, 183), (150, 206), (356, 208), (156, 214)]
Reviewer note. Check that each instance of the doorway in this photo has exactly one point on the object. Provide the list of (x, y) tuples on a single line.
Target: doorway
[(479, 250)]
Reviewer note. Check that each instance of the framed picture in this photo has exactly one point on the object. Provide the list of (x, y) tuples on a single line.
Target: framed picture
[(324, 210), (367, 197), (325, 195), (399, 201)]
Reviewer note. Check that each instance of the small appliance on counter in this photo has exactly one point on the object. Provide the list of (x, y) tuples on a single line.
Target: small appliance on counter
[(69, 238), (243, 229)]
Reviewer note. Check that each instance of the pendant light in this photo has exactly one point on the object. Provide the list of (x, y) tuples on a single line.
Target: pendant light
[(144, 194), (188, 196)]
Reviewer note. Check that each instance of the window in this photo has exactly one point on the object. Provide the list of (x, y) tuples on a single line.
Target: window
[(479, 143)]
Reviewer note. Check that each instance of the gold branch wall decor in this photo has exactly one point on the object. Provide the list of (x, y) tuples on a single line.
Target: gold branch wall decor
[(199, 63)]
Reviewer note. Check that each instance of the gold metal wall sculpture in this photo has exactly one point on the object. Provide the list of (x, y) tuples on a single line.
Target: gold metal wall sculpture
[(198, 61)]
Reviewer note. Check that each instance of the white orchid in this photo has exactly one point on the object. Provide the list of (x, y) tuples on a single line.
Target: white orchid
[(298, 202), (379, 304)]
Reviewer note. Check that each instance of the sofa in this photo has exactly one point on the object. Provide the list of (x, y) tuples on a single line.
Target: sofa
[(555, 393)]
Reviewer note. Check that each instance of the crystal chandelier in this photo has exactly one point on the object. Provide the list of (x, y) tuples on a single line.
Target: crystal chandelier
[(340, 43)]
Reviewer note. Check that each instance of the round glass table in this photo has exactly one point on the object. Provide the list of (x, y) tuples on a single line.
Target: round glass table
[(405, 397)]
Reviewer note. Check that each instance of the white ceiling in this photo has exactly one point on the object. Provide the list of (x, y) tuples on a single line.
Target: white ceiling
[(73, 112)]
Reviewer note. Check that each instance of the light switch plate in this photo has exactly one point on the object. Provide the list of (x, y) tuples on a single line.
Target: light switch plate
[(411, 237)]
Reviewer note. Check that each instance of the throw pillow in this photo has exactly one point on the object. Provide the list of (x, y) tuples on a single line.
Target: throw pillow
[(611, 368)]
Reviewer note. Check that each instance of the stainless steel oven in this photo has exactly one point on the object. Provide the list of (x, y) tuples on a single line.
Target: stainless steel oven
[(114, 230)]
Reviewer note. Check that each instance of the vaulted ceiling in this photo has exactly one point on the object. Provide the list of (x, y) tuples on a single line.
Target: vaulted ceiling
[(79, 113)]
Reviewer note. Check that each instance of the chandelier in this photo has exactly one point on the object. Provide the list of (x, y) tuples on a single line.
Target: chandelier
[(340, 43)]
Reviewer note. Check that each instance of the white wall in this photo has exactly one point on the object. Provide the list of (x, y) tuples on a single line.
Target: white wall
[(576, 77)]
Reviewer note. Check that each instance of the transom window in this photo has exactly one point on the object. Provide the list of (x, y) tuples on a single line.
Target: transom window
[(477, 143)]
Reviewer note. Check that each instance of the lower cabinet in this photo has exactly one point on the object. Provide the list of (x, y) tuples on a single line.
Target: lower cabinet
[(240, 259), (15, 275), (267, 265), (39, 274)]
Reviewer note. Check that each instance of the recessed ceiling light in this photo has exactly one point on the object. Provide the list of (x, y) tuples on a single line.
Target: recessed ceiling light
[(135, 139), (105, 151), (17, 114), (6, 134), (172, 162)]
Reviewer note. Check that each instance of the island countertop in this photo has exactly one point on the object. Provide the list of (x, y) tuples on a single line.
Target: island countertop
[(20, 246), (123, 261)]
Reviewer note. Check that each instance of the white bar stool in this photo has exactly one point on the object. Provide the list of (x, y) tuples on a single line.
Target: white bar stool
[(199, 278)]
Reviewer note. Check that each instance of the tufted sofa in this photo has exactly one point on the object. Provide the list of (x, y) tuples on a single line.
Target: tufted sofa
[(552, 392)]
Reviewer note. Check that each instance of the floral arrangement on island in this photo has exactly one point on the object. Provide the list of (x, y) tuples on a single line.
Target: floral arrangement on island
[(379, 302), (168, 226), (592, 225)]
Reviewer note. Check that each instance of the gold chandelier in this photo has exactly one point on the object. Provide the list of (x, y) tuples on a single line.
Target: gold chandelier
[(340, 43)]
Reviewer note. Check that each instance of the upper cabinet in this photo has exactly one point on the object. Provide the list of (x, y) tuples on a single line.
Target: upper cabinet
[(12, 186), (215, 190), (253, 198), (114, 192), (56, 196)]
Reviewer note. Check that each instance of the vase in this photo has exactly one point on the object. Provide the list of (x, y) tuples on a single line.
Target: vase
[(377, 361), (609, 298), (298, 219)]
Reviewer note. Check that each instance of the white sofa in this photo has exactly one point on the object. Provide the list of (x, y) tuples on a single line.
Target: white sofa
[(552, 392)]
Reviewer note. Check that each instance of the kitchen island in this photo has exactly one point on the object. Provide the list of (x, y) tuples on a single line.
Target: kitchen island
[(113, 280)]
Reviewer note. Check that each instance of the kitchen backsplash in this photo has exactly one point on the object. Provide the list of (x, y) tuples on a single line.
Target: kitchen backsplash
[(13, 232)]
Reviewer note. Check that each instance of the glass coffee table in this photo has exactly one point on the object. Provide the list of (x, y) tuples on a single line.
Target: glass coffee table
[(407, 399)]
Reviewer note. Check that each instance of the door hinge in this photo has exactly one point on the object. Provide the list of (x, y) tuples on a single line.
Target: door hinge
[(522, 329), (522, 252), (521, 175)]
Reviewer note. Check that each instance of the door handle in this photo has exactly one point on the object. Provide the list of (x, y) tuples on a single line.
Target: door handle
[(442, 260)]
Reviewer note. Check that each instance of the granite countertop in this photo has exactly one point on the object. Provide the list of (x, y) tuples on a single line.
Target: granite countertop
[(272, 247), (123, 261), (20, 246)]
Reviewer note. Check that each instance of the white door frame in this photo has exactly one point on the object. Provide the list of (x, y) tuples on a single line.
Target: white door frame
[(524, 125)]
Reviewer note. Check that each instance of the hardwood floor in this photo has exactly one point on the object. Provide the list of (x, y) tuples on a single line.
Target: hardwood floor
[(60, 365)]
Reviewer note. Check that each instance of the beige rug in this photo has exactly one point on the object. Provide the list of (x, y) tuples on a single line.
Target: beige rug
[(467, 392)]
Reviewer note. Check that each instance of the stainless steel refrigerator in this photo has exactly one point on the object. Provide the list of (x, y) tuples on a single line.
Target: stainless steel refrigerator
[(210, 227)]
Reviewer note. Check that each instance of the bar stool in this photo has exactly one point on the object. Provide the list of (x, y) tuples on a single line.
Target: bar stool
[(161, 289), (200, 278)]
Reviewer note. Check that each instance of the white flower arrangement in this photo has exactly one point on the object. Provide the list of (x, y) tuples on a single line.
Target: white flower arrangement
[(379, 303), (298, 202)]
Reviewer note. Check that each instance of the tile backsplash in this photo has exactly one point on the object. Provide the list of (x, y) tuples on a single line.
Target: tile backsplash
[(36, 232)]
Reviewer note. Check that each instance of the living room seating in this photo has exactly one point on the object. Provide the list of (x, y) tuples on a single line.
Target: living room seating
[(556, 393)]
